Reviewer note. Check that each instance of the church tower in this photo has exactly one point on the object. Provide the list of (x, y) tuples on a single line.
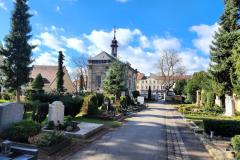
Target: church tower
[(114, 44)]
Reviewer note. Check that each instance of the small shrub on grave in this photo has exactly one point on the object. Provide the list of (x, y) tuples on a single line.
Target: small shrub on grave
[(90, 105), (135, 94), (185, 109), (210, 99), (50, 125), (215, 109), (128, 100), (225, 128), (47, 139), (6, 96), (72, 105), (100, 98), (204, 98), (123, 100), (30, 106), (41, 111), (235, 142), (21, 131)]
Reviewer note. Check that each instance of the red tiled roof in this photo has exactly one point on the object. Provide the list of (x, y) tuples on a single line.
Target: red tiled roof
[(48, 72), (140, 76)]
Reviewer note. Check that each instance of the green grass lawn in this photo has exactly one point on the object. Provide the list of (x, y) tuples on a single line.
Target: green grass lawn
[(108, 123), (3, 101)]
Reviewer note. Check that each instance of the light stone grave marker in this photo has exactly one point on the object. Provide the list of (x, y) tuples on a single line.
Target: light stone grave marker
[(229, 106), (56, 112), (140, 99), (10, 113)]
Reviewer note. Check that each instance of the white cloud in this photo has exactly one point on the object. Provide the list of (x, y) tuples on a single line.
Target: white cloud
[(193, 62), (122, 1), (34, 12), (101, 40), (135, 47), (51, 41), (144, 42), (205, 35), (3, 6), (74, 43), (161, 44), (58, 8), (46, 58)]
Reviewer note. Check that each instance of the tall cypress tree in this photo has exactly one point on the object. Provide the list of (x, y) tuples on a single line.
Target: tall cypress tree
[(221, 49), (60, 73), (17, 51)]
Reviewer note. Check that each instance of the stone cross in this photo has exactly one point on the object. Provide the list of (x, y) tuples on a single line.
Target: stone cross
[(56, 112)]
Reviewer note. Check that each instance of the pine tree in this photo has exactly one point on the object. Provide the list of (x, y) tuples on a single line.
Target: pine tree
[(17, 51), (114, 80), (60, 73), (38, 84), (221, 49)]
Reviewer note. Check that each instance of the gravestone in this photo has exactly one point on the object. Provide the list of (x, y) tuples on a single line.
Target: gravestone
[(140, 99), (56, 112), (10, 113), (229, 106), (164, 96), (218, 101), (198, 99)]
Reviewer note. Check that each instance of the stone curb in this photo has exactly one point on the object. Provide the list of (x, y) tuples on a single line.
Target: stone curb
[(213, 150)]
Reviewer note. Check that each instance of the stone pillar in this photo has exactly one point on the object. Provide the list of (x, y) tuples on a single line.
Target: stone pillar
[(164, 96), (198, 98), (56, 112), (229, 106)]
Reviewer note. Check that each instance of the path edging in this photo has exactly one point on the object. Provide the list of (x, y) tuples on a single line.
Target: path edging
[(213, 150)]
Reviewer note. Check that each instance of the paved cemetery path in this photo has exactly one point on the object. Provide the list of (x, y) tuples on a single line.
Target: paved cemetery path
[(157, 133)]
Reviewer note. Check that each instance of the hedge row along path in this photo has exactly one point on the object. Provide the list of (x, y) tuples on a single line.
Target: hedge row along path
[(157, 133)]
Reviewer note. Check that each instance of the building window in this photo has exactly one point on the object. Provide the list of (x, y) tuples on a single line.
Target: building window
[(98, 81), (153, 87)]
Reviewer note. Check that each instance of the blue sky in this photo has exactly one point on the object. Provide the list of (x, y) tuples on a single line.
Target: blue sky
[(145, 28)]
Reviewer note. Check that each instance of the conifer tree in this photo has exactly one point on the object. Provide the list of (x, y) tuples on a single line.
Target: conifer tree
[(221, 66), (17, 51), (114, 80), (38, 84), (149, 93), (60, 73)]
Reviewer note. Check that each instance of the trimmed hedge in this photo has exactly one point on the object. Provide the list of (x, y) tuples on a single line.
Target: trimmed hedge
[(21, 131), (225, 128)]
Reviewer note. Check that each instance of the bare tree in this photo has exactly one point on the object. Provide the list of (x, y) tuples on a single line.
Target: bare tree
[(81, 64), (170, 67)]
